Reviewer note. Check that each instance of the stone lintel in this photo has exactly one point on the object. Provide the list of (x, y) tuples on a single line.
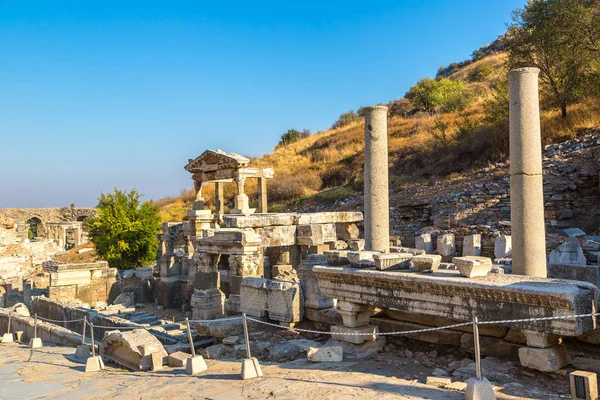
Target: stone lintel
[(447, 294)]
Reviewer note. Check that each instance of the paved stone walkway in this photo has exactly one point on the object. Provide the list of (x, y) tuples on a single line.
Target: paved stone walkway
[(53, 373)]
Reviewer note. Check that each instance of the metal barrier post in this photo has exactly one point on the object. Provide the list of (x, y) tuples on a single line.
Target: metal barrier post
[(248, 355), (92, 337), (9, 321), (190, 339), (477, 349), (83, 333), (35, 326)]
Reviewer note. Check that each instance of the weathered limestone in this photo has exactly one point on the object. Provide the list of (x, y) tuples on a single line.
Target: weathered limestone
[(346, 230), (377, 209), (282, 235), (178, 359), (472, 245), (132, 349), (583, 273), (503, 247), (353, 314), (526, 185), (472, 266), (281, 301), (313, 298), (568, 253), (207, 304), (391, 261), (449, 295), (429, 262), (549, 359), (336, 257), (344, 333), (446, 245), (325, 354), (315, 234), (423, 242), (361, 259)]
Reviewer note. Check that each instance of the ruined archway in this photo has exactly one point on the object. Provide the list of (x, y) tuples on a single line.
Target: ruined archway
[(35, 227)]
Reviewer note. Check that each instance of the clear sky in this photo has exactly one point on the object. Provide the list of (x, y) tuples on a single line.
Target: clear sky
[(102, 94)]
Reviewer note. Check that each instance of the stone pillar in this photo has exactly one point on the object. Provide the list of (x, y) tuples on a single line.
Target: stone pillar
[(219, 201), (199, 201), (526, 180), (377, 209), (262, 195)]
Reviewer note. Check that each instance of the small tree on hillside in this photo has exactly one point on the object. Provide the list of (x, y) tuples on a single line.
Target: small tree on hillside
[(346, 118), (124, 232), (439, 95), (562, 39), (291, 136)]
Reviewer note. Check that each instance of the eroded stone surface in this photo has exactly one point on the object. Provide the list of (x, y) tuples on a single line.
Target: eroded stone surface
[(132, 349)]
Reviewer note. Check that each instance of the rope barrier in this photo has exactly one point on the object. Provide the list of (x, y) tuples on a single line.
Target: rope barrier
[(60, 322), (397, 333)]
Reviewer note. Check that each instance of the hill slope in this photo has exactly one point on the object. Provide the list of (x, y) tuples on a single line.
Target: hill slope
[(423, 147)]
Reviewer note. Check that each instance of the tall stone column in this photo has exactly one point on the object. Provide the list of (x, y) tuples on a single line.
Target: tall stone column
[(219, 200), (377, 209), (526, 179), (262, 195), (199, 200)]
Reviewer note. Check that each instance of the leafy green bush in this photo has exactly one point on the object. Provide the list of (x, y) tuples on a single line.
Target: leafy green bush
[(346, 118), (480, 72), (439, 95), (291, 136), (124, 232)]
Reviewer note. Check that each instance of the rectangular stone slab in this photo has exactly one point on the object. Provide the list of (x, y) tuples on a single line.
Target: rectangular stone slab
[(447, 294), (259, 220)]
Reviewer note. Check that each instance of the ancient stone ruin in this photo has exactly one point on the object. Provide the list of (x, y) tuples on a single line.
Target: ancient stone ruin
[(343, 274)]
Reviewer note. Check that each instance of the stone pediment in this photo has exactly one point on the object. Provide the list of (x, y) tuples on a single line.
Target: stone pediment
[(212, 160)]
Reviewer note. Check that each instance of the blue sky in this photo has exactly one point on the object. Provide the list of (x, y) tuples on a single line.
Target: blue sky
[(102, 94)]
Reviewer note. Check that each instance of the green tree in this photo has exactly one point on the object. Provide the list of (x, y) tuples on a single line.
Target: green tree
[(439, 95), (346, 118), (291, 136), (124, 232), (561, 38)]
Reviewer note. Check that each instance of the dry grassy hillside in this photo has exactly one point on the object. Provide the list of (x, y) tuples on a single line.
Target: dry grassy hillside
[(328, 166)]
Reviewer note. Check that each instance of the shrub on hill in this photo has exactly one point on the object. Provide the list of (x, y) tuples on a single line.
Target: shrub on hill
[(439, 95), (346, 118)]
